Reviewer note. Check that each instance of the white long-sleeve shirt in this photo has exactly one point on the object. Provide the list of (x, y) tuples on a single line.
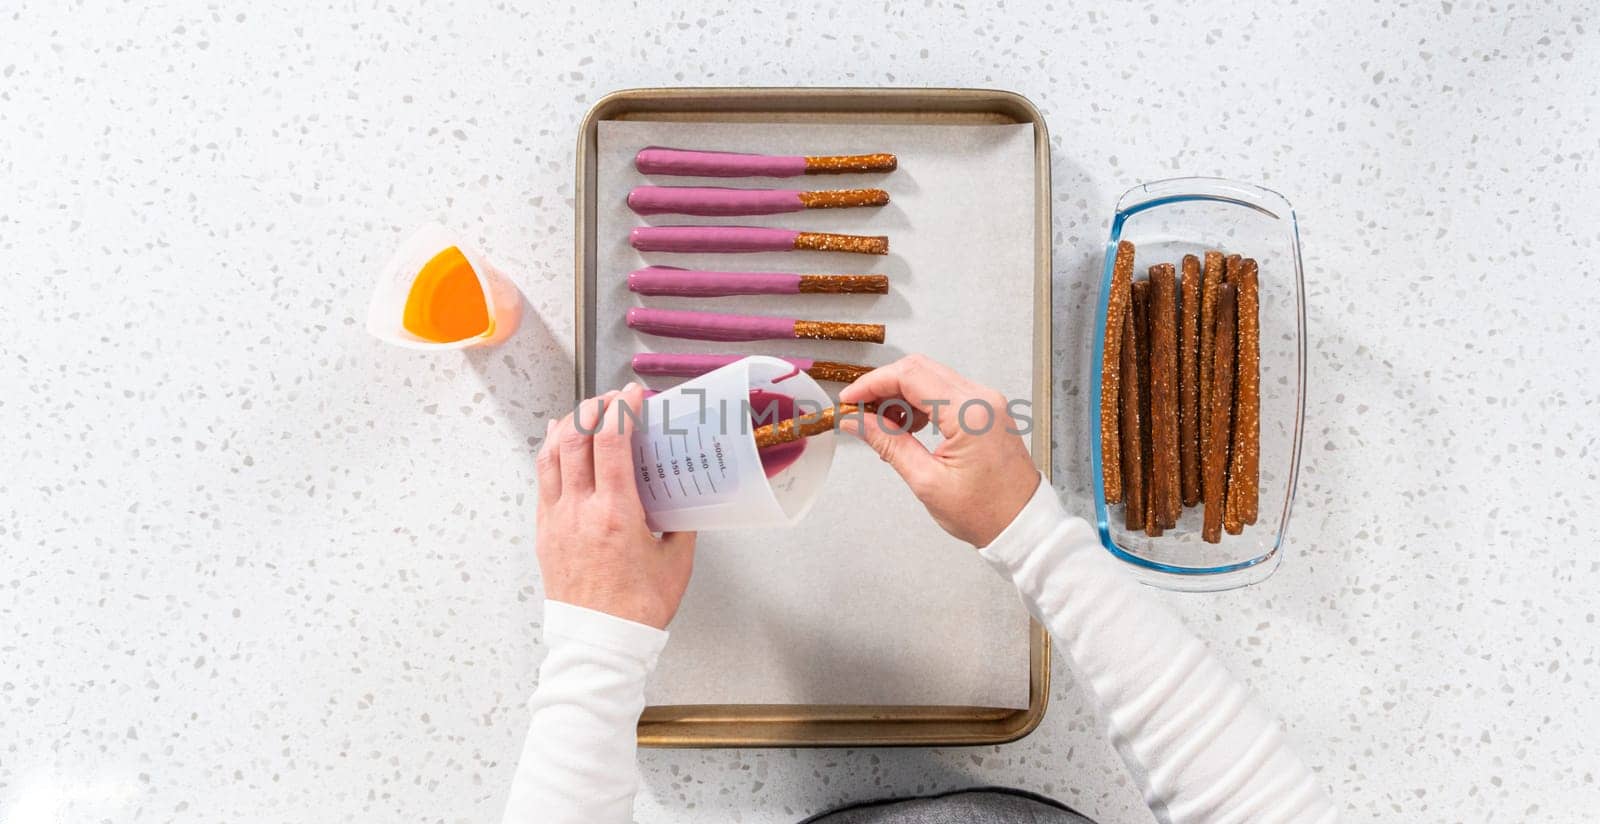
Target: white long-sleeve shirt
[(1199, 747)]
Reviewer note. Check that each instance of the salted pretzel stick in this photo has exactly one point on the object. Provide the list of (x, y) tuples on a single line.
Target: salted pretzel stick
[(844, 284), (851, 164), (1232, 269), (1221, 405), (1165, 491), (1189, 382), (793, 429), (1111, 372), (1210, 282), (1132, 463), (1244, 472), (1142, 330)]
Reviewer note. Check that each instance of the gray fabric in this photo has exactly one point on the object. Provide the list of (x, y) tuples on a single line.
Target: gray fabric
[(985, 806)]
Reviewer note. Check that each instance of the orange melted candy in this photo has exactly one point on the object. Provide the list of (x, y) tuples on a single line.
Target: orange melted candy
[(446, 303)]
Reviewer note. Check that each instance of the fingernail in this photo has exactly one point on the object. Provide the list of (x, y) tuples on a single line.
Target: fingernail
[(549, 427), (630, 386)]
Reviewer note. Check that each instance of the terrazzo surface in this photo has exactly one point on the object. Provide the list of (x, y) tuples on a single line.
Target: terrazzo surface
[(255, 566)]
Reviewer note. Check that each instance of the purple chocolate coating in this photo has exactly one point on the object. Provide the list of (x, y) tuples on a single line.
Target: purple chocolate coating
[(658, 161), (677, 365), (691, 283), (711, 200), (711, 239), (673, 323)]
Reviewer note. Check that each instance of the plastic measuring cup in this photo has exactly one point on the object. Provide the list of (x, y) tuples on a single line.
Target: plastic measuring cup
[(695, 457), (385, 315)]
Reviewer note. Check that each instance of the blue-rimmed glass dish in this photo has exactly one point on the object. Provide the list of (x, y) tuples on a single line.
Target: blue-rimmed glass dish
[(1187, 216)]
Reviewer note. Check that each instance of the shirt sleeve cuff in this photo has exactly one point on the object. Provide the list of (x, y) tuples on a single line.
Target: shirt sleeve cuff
[(563, 621), (1033, 526)]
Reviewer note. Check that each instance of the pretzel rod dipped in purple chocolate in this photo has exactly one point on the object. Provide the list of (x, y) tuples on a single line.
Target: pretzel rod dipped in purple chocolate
[(750, 239), (656, 160), (673, 323), (686, 365), (693, 283), (723, 202)]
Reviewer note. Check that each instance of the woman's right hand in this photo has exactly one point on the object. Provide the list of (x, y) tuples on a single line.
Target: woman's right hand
[(979, 477)]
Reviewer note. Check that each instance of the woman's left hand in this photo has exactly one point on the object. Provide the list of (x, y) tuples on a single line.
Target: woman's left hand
[(594, 548)]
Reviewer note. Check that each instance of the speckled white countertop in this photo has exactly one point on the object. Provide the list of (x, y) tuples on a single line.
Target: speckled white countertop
[(257, 567)]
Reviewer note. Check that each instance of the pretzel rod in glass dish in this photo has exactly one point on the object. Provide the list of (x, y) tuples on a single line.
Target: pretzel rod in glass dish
[(1189, 381), (1210, 283), (1165, 488), (1111, 371), (1131, 466), (689, 365), (751, 239), (674, 323), (1141, 318), (1244, 471), (658, 160), (715, 201), (1216, 463), (694, 283)]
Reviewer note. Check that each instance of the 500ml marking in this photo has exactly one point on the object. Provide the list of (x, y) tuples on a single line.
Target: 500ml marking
[(682, 466)]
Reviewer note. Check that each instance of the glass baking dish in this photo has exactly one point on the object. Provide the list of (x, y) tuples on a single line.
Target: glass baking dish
[(1166, 220)]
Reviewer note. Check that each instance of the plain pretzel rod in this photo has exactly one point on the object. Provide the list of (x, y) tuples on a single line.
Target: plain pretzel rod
[(805, 426)]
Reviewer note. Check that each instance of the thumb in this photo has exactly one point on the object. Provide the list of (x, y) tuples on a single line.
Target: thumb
[(900, 449)]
